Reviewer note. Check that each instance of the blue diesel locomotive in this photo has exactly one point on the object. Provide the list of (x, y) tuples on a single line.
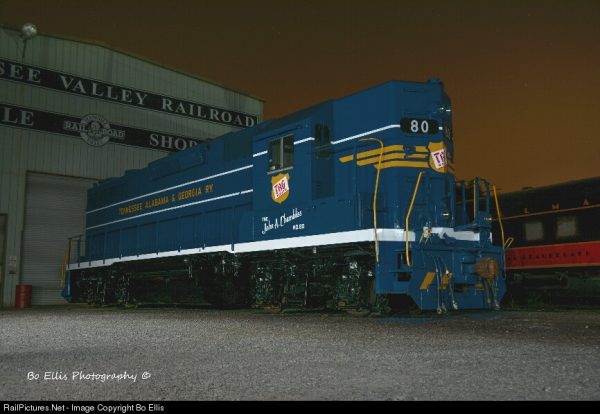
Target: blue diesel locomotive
[(349, 204)]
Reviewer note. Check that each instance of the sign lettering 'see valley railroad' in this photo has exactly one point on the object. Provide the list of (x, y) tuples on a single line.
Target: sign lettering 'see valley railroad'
[(64, 82)]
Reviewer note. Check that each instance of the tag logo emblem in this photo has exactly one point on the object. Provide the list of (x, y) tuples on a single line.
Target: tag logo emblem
[(439, 158), (281, 187)]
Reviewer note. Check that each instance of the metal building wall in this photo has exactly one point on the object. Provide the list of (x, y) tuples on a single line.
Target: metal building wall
[(26, 150), (100, 63)]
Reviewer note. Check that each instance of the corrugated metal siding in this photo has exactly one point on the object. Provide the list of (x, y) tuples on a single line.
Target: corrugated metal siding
[(110, 66), (2, 241), (23, 151), (54, 211)]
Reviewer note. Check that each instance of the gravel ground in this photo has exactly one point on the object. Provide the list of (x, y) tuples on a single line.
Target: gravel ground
[(247, 355)]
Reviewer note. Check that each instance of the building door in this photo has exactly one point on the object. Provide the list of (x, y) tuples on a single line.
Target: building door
[(54, 211), (2, 251)]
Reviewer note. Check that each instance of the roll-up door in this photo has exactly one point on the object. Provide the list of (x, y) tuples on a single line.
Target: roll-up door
[(54, 211), (2, 243)]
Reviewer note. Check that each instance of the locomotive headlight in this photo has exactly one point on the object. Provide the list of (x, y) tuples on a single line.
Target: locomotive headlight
[(446, 214)]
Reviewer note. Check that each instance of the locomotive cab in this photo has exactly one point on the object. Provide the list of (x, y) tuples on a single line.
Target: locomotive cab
[(281, 174)]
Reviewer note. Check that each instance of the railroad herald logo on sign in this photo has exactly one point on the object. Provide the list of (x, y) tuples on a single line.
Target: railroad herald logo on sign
[(281, 187)]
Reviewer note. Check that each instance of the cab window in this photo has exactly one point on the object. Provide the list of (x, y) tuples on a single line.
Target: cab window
[(322, 135), (281, 153), (323, 149)]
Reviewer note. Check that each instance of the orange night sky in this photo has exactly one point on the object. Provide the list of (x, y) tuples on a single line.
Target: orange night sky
[(523, 75)]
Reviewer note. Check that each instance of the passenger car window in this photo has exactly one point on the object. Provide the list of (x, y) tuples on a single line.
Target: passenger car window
[(566, 227), (534, 230)]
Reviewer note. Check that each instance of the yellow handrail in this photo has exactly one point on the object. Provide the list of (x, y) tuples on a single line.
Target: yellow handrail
[(412, 202), (375, 195), (63, 269), (475, 208), (499, 216), (65, 264)]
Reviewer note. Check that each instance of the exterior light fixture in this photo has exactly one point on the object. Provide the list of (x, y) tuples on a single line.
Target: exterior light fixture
[(28, 31)]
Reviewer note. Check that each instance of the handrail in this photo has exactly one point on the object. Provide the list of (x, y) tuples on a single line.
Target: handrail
[(499, 216), (475, 198), (376, 240), (412, 202), (64, 265)]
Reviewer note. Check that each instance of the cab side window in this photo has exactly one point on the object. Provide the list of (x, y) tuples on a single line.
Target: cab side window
[(322, 135), (322, 141), (323, 184), (281, 153)]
